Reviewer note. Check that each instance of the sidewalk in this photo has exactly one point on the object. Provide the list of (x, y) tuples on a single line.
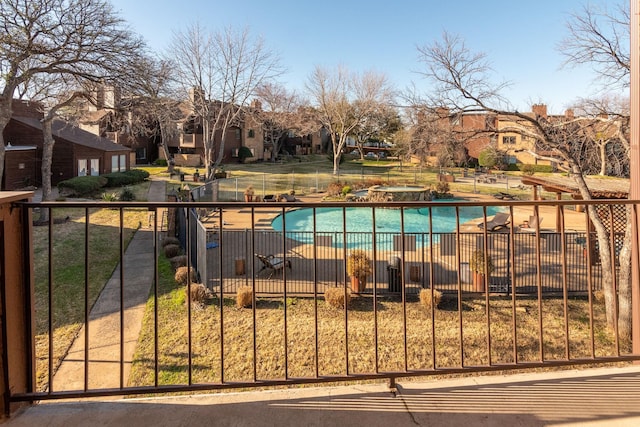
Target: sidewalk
[(104, 318), (594, 397)]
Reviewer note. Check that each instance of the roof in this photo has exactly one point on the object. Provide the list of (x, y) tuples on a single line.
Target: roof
[(74, 134), (600, 187)]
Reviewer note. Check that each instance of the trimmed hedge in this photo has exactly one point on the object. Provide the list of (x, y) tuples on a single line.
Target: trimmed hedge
[(531, 169), (130, 177), (82, 186)]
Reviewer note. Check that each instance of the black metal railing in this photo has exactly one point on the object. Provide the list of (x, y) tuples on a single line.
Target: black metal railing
[(537, 308)]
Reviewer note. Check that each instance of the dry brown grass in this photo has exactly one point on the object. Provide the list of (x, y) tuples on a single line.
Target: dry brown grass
[(335, 297), (182, 275), (439, 340), (425, 298), (199, 294), (244, 297)]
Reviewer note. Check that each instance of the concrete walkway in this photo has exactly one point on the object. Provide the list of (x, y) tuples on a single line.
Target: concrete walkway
[(596, 397), (104, 319)]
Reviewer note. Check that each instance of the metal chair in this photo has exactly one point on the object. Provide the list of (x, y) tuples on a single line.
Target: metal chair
[(272, 263)]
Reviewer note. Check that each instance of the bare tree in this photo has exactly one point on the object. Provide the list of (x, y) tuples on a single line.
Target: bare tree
[(607, 140), (281, 112), (80, 38), (382, 123), (463, 83), (222, 70), (599, 37), (344, 100), (151, 108)]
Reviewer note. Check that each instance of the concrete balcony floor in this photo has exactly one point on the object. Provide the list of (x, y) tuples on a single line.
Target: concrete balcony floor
[(589, 397)]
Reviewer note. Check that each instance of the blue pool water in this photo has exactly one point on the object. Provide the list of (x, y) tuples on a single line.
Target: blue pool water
[(329, 222)]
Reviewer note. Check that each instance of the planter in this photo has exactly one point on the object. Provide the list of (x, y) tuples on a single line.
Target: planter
[(358, 285), (478, 281)]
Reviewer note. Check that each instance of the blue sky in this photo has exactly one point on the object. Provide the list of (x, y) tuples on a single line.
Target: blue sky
[(519, 37)]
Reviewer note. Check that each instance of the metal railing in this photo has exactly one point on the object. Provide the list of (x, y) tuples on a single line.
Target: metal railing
[(537, 308)]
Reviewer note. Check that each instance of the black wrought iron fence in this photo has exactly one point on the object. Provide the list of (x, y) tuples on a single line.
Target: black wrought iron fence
[(533, 308)]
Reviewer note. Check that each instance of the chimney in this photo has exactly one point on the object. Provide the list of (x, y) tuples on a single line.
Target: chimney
[(196, 95), (256, 105), (539, 110)]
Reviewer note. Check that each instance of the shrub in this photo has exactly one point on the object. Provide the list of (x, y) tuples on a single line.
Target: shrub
[(335, 297), (171, 251), (126, 195), (244, 297), (425, 298), (528, 169), (346, 190), (161, 162), (178, 261), (170, 241), (334, 188), (598, 296), (82, 186), (109, 197), (442, 187), (244, 153), (130, 177), (477, 262), (199, 293), (359, 264), (182, 275), (540, 168)]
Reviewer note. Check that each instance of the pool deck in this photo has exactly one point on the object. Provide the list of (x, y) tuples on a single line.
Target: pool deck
[(241, 219)]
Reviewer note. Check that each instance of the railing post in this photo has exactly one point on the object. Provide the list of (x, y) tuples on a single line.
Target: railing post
[(634, 154), (16, 297)]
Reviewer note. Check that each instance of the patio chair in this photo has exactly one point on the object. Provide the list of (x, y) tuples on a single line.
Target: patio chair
[(533, 225), (272, 264), (287, 198), (499, 221)]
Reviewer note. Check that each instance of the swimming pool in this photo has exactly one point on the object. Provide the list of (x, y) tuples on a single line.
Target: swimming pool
[(329, 223)]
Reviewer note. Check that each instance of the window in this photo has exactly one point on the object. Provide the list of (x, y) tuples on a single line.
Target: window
[(82, 167), (95, 167), (508, 140), (251, 133), (123, 162), (238, 135), (114, 164)]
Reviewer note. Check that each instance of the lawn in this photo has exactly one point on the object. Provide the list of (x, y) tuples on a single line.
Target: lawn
[(315, 173), (68, 274), (234, 354)]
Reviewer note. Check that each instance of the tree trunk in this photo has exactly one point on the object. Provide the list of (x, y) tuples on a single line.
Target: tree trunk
[(336, 163), (603, 159), (5, 116), (604, 251), (624, 283), (47, 157)]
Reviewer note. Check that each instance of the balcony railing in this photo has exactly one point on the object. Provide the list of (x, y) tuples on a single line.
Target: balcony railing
[(540, 306)]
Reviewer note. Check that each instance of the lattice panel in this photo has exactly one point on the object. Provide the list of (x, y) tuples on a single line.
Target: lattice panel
[(619, 217)]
